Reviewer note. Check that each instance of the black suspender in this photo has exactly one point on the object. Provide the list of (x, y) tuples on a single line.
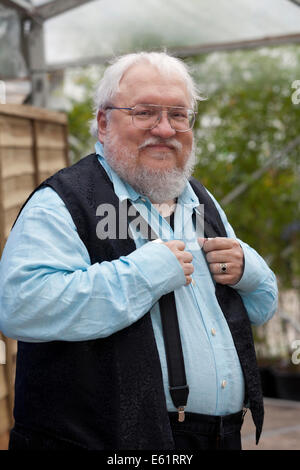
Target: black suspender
[(178, 387), (179, 390)]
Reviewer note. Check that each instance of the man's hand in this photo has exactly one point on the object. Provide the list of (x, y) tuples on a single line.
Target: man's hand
[(225, 257), (184, 257)]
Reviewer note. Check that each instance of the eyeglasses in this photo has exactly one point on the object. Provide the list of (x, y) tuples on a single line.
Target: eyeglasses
[(147, 116)]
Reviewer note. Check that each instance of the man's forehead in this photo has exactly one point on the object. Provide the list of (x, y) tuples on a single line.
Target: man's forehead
[(146, 79)]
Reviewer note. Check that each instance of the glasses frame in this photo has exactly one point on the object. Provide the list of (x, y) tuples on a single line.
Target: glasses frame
[(159, 116)]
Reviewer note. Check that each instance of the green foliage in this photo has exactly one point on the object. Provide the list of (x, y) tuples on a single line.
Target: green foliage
[(246, 121), (79, 116)]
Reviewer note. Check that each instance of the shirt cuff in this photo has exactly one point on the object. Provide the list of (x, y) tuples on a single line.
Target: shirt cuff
[(159, 266), (254, 270)]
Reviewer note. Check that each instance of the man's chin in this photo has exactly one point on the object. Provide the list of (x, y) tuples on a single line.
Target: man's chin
[(159, 184), (159, 163), (157, 169)]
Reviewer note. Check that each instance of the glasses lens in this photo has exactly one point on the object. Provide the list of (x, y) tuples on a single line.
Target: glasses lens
[(181, 119), (147, 116)]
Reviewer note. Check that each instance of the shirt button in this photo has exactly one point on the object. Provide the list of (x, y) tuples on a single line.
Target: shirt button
[(224, 383), (193, 282), (213, 332)]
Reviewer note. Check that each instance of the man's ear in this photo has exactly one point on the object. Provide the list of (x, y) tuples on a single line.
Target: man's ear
[(102, 125)]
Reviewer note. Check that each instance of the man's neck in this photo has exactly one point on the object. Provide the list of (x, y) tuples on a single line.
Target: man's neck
[(166, 208)]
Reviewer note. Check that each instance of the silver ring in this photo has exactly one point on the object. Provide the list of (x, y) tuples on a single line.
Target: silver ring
[(223, 268)]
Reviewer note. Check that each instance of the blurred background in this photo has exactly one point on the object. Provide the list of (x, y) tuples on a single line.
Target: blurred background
[(245, 57)]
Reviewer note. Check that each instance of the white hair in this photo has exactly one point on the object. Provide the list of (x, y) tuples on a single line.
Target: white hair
[(109, 84)]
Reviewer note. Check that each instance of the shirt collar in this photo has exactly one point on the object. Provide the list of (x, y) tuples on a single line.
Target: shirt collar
[(125, 191)]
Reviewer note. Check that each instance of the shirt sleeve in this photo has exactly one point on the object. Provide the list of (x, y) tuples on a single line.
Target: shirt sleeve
[(258, 285), (50, 291)]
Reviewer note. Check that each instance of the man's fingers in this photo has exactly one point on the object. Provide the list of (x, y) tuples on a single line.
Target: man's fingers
[(218, 243), (224, 279), (223, 256), (215, 268), (179, 244), (187, 257), (201, 241), (188, 268), (221, 250)]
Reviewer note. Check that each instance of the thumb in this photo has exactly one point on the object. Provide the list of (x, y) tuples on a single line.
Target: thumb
[(201, 241)]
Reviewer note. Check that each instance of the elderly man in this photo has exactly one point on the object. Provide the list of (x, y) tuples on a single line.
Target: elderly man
[(142, 340)]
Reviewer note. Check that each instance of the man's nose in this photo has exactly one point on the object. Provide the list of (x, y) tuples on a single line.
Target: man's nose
[(163, 128)]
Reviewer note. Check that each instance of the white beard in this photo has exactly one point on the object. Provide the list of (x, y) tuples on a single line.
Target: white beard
[(159, 185)]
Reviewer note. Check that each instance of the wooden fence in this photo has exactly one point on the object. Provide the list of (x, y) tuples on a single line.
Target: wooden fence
[(33, 145)]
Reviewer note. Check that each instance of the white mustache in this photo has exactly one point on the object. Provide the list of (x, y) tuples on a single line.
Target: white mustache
[(173, 143)]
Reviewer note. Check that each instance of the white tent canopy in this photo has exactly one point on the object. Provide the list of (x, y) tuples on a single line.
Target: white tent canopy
[(60, 34), (105, 28)]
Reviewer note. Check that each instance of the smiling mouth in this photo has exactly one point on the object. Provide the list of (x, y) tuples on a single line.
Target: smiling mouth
[(160, 145), (160, 152)]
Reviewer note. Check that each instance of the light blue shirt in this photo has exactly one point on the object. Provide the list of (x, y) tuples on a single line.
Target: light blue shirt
[(50, 291)]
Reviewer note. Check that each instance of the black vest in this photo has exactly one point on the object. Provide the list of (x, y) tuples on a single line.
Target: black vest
[(108, 393)]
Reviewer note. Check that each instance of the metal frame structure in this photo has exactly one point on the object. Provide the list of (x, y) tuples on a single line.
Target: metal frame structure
[(297, 2), (189, 51), (33, 39)]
